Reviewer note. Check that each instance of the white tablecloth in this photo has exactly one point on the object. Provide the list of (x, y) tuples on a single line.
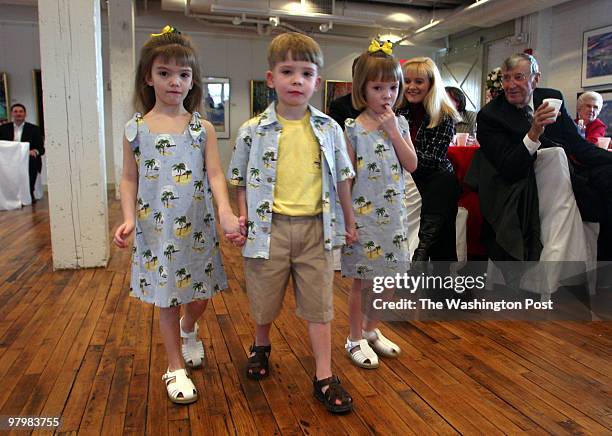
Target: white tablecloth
[(14, 179)]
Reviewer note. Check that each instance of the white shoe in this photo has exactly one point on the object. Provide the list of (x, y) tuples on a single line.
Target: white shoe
[(180, 388), (361, 354), (381, 344), (191, 347)]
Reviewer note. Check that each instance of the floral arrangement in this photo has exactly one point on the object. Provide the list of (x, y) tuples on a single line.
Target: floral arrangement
[(494, 82)]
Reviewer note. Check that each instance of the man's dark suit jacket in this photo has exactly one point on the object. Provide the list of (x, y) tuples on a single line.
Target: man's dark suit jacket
[(501, 129), (342, 108), (30, 133)]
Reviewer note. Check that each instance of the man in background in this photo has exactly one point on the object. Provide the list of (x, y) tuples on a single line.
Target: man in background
[(21, 131)]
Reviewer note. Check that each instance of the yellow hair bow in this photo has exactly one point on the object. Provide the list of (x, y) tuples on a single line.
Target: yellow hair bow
[(165, 30), (386, 48)]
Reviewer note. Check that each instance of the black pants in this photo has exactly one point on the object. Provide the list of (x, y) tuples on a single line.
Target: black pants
[(440, 192), (593, 192), (33, 172)]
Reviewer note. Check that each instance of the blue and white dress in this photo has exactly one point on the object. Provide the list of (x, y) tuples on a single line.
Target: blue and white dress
[(175, 258)]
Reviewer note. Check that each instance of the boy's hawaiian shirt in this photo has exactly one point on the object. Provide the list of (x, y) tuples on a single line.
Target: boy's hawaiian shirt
[(254, 165)]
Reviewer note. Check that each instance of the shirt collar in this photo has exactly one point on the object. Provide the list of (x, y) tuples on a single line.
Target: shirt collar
[(269, 115)]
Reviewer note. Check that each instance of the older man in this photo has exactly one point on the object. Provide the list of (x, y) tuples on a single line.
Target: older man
[(21, 131), (526, 142)]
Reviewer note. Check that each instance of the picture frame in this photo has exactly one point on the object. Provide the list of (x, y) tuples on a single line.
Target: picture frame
[(5, 103), (335, 89), (597, 57), (261, 96), (216, 104), (38, 98)]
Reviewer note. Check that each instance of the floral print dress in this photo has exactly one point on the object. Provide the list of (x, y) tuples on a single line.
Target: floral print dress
[(379, 202), (175, 258)]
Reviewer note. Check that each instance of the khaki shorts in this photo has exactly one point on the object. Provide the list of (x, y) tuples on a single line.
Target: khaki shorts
[(296, 249)]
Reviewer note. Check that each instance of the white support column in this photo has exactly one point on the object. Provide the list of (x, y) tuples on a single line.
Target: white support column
[(71, 61), (122, 73)]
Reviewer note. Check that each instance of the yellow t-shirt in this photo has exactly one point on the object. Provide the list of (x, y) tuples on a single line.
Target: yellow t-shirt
[(298, 170)]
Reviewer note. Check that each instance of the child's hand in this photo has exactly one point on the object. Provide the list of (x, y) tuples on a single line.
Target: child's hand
[(351, 234), (122, 234), (388, 122), (236, 238), (233, 227)]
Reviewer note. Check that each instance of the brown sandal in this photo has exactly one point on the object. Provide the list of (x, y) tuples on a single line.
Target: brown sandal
[(334, 392), (259, 361)]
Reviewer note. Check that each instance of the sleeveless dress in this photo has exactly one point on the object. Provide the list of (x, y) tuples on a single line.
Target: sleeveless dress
[(379, 203), (175, 258)]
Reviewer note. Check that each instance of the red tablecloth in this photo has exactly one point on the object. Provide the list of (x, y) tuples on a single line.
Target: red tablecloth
[(461, 158)]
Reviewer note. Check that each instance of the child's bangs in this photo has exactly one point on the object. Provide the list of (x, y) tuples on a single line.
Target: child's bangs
[(385, 70), (182, 55)]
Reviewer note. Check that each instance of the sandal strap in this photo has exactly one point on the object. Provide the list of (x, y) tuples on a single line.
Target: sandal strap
[(258, 349), (380, 342), (335, 391), (189, 335), (364, 354), (260, 359), (178, 382)]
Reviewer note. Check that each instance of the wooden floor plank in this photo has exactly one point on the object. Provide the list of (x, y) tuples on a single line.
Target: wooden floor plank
[(75, 344)]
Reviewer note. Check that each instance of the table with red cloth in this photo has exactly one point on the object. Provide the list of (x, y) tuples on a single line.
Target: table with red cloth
[(461, 158)]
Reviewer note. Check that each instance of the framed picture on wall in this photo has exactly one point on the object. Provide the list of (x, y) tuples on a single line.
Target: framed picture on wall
[(597, 57), (216, 104), (38, 96), (335, 89), (261, 96), (4, 99)]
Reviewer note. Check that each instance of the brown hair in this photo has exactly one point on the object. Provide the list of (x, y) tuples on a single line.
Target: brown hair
[(377, 66), (296, 46), (437, 102), (169, 46)]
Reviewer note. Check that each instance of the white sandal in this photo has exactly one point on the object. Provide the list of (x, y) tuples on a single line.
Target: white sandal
[(180, 388), (364, 356), (381, 344), (191, 347)]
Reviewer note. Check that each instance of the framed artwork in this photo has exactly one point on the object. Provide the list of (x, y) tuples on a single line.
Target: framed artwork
[(216, 104), (38, 96), (261, 96), (335, 89), (4, 99), (597, 57), (606, 110)]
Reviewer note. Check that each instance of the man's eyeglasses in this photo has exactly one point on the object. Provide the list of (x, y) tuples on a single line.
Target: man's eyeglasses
[(517, 77)]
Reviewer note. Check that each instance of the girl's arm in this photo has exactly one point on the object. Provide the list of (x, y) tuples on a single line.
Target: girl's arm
[(404, 149), (129, 190), (346, 200), (230, 224)]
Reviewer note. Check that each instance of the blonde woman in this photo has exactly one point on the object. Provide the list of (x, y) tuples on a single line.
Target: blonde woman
[(431, 116)]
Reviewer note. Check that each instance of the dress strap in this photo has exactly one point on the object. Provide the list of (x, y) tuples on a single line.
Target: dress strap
[(131, 127), (195, 126)]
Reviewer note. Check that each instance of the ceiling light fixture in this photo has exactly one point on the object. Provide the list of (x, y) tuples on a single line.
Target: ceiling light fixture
[(431, 24), (326, 27)]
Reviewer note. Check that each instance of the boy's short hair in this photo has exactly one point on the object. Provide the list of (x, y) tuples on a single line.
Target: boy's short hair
[(296, 46), (376, 66)]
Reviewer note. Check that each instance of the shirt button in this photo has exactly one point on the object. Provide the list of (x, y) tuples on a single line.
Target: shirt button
[(264, 229), (269, 179)]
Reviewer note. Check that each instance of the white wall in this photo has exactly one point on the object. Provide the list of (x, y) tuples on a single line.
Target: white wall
[(240, 57)]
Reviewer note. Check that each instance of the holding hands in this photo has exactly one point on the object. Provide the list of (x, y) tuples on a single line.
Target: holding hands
[(233, 227)]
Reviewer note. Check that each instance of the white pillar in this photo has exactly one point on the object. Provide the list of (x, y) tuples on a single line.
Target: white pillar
[(122, 73), (71, 61)]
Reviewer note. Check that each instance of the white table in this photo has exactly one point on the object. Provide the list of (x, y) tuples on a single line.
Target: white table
[(14, 179)]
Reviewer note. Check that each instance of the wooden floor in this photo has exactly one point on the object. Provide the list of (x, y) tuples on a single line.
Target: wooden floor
[(73, 344)]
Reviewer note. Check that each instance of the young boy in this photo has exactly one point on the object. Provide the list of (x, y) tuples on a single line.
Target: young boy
[(287, 163)]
